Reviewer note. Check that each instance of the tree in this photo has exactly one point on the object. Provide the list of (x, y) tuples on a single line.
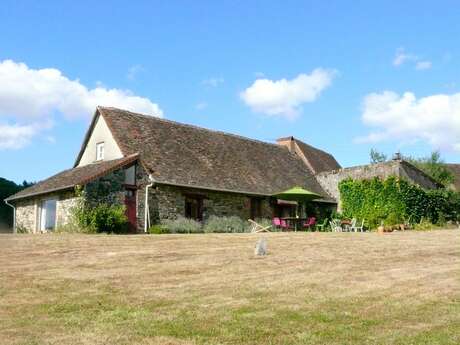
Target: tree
[(434, 166), (8, 188), (377, 157)]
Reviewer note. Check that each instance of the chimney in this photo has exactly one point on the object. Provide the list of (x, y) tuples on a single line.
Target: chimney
[(289, 142), (397, 156)]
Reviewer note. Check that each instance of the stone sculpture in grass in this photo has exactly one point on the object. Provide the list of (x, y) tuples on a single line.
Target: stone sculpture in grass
[(261, 247)]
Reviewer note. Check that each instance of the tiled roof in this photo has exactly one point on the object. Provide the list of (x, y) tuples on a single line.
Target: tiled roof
[(191, 156), (319, 160), (68, 179)]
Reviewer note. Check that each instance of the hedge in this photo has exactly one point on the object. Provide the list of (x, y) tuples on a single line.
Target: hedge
[(394, 201)]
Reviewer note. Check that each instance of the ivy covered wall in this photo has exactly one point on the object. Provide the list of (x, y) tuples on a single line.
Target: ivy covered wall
[(393, 201)]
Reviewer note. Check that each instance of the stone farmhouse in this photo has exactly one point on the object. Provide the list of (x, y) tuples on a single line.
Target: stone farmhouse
[(160, 169)]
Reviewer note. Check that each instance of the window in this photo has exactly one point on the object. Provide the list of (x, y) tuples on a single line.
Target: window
[(130, 175), (48, 215), (194, 208), (100, 151), (256, 208)]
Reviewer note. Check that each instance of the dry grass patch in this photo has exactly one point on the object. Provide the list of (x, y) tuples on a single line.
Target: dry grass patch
[(312, 288)]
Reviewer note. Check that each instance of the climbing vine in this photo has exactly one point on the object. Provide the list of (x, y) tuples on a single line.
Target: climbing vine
[(394, 201)]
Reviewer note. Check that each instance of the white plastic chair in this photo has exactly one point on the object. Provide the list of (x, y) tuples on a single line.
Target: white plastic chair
[(335, 225), (357, 228)]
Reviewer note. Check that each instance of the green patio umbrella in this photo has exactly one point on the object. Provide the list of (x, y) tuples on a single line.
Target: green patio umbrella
[(298, 194)]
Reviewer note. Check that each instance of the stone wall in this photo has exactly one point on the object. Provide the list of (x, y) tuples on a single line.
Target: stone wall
[(142, 181), (330, 180), (67, 201), (107, 189), (411, 173), (28, 210), (169, 202), (26, 215)]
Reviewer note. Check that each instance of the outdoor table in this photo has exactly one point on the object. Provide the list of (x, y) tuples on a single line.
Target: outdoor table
[(295, 220), (345, 223)]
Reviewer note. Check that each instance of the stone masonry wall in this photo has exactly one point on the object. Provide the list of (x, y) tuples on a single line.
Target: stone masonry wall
[(142, 181), (411, 173), (28, 210), (26, 215), (67, 201), (169, 203), (107, 189), (330, 180)]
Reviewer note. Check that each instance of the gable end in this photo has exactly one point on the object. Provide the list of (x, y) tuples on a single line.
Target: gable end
[(98, 132)]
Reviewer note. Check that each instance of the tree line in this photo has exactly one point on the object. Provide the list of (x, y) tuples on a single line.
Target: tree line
[(8, 188), (433, 165)]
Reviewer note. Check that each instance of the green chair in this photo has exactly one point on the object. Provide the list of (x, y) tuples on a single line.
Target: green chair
[(321, 226)]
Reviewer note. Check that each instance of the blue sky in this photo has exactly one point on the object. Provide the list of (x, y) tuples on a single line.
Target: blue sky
[(342, 76)]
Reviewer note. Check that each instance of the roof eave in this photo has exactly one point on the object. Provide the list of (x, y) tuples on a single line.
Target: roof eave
[(322, 199), (13, 198), (210, 188), (125, 162)]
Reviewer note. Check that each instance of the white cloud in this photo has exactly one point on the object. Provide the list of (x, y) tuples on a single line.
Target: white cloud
[(26, 92), (433, 119), (285, 97), (402, 57), (133, 71), (422, 65), (31, 95), (213, 82), (17, 136), (201, 105)]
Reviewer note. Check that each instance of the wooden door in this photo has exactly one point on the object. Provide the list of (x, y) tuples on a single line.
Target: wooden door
[(131, 212)]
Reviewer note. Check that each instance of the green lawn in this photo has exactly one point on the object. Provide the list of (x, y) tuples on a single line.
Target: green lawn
[(312, 288)]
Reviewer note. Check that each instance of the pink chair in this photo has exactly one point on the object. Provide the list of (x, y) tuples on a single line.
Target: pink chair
[(276, 222), (309, 223), (284, 225)]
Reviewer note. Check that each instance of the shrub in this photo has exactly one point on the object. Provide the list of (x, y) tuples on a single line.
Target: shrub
[(158, 229), (424, 225), (70, 228), (101, 218), (337, 215), (182, 225), (394, 219), (20, 229), (224, 224)]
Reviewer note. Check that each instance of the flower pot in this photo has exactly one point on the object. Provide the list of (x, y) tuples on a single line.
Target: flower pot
[(381, 229)]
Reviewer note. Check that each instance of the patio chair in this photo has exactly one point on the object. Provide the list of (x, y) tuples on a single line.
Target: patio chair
[(256, 227), (309, 223), (284, 225), (322, 226), (276, 222), (336, 226), (356, 228), (353, 223)]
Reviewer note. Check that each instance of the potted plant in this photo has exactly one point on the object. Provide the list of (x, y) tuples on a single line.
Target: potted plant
[(381, 228)]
